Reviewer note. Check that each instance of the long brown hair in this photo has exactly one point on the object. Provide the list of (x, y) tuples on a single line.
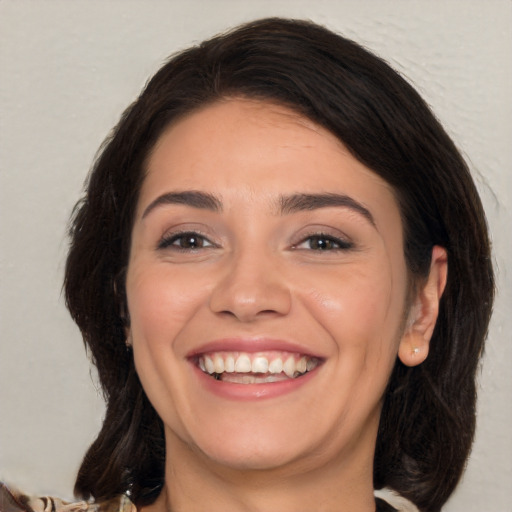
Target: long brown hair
[(428, 416)]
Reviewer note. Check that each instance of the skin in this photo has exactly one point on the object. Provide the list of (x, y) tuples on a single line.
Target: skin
[(260, 275)]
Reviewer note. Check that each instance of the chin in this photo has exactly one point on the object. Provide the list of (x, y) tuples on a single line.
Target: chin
[(253, 458), (251, 448)]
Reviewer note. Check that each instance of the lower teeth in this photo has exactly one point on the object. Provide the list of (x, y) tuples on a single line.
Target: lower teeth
[(251, 378)]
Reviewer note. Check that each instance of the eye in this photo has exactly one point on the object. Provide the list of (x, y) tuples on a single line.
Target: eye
[(321, 242), (188, 241)]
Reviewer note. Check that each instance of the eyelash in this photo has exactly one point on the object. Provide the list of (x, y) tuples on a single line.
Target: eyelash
[(329, 242), (324, 242), (169, 241)]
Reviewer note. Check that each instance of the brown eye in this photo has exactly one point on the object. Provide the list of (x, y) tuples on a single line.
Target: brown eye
[(185, 241), (322, 242), (190, 241)]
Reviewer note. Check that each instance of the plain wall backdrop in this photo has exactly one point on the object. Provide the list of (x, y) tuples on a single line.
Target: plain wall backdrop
[(67, 71)]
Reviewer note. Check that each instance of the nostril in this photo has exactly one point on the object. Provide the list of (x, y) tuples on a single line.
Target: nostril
[(248, 315)]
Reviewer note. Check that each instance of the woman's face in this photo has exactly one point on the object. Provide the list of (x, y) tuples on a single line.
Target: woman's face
[(266, 289)]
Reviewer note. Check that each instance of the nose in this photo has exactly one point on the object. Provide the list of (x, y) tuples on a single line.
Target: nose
[(252, 287)]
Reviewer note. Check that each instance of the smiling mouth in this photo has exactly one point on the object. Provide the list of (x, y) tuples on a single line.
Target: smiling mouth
[(255, 368)]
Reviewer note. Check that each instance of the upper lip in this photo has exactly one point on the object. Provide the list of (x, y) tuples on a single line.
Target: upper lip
[(252, 345)]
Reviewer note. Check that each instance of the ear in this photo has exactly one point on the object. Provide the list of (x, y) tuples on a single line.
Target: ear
[(415, 342)]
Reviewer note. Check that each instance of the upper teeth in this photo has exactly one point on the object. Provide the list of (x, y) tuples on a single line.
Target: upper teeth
[(235, 362)]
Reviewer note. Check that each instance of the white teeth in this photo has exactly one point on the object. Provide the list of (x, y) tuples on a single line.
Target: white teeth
[(260, 365), (289, 367), (266, 368), (208, 363), (276, 366), (229, 364), (218, 363), (243, 364)]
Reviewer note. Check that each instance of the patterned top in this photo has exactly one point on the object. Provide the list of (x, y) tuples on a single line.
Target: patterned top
[(14, 501)]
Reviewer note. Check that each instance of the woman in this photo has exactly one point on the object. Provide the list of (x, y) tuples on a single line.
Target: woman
[(282, 271)]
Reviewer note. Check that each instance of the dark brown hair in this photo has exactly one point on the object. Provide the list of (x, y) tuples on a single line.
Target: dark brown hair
[(428, 416)]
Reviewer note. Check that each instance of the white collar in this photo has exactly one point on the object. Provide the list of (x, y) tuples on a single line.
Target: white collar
[(395, 500)]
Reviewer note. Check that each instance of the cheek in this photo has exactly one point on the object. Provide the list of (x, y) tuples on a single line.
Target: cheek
[(160, 301), (161, 304), (359, 308)]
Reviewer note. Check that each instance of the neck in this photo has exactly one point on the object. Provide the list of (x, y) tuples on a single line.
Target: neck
[(196, 484)]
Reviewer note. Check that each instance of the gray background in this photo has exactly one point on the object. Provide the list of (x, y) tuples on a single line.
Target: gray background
[(68, 68)]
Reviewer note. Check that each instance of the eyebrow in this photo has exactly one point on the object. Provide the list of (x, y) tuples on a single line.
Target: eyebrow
[(287, 204), (304, 202), (193, 198)]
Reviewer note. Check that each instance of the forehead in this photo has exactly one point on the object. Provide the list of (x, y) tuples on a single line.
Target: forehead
[(257, 146)]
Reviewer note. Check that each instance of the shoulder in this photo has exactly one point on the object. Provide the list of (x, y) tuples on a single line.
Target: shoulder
[(12, 500)]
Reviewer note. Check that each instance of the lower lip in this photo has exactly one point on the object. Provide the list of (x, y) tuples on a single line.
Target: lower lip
[(233, 391)]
